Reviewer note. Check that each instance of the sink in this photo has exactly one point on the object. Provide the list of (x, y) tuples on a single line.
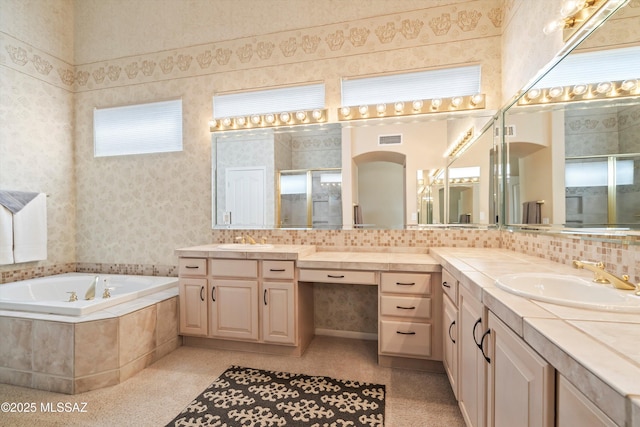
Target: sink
[(570, 291), (244, 246)]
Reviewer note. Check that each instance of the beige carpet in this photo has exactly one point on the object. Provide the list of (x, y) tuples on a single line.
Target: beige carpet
[(154, 396)]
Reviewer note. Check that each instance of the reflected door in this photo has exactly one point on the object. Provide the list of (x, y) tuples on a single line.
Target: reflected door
[(245, 196)]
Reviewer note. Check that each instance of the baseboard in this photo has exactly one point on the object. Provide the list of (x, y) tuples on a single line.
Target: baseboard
[(347, 334)]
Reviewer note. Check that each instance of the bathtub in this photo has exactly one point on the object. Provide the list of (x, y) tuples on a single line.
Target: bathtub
[(51, 294)]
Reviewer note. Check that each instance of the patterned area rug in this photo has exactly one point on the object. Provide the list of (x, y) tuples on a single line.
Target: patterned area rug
[(253, 397)]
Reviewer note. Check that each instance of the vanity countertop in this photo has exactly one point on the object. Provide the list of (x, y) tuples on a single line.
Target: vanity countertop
[(277, 252), (378, 261), (597, 351)]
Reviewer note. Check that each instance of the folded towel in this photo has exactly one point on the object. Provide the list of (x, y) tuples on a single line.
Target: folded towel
[(30, 231), (6, 236), (14, 201)]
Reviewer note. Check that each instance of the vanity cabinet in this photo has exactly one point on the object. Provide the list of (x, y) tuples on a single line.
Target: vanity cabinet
[(193, 296), (409, 316), (472, 370), (278, 302), (574, 409), (520, 388), (450, 329)]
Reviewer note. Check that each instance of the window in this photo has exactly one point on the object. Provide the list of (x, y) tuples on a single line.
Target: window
[(432, 84), (295, 98), (138, 129)]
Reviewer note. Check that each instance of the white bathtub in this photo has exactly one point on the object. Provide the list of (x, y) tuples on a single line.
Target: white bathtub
[(51, 294)]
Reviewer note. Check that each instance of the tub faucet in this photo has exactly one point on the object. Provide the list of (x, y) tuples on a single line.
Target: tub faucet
[(603, 276), (91, 292)]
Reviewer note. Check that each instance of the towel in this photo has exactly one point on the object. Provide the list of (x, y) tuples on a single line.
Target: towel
[(30, 231), (14, 201), (531, 213), (6, 236)]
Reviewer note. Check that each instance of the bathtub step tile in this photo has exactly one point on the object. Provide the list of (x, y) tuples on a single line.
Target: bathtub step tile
[(137, 334), (19, 378), (167, 322), (52, 383), (53, 348), (96, 347), (94, 382), (16, 348)]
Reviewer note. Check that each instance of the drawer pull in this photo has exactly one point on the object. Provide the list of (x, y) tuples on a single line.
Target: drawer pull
[(191, 266), (405, 284), (405, 308), (405, 333), (446, 285), (277, 269), (335, 277), (213, 290), (264, 297)]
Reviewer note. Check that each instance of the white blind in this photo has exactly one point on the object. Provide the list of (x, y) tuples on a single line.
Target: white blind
[(137, 129), (594, 67), (307, 97), (445, 83)]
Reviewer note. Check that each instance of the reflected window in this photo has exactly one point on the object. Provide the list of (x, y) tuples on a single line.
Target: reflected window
[(596, 174)]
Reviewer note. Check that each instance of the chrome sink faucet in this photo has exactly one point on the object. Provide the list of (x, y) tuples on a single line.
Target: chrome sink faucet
[(603, 276)]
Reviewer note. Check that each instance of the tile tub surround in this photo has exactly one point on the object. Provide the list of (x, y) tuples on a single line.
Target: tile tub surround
[(73, 355), (590, 348)]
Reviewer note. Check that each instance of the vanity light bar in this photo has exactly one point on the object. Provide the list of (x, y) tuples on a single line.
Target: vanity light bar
[(463, 142), (258, 121), (412, 108), (582, 92), (467, 180)]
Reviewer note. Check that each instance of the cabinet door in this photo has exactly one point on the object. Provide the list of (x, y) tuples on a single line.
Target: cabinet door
[(234, 309), (450, 335), (472, 366), (521, 383), (574, 409), (193, 306), (278, 313)]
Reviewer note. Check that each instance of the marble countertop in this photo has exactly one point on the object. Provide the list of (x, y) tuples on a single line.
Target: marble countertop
[(597, 351), (277, 252), (380, 261)]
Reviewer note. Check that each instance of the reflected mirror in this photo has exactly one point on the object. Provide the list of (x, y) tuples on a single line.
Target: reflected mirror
[(573, 144)]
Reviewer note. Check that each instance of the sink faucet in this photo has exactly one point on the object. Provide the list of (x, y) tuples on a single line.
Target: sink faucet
[(251, 239), (603, 276), (91, 292)]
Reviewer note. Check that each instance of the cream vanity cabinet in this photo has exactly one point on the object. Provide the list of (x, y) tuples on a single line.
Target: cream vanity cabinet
[(410, 314), (450, 329), (193, 296), (520, 388), (574, 409)]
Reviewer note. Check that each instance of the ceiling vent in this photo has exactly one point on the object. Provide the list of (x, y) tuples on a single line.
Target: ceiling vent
[(509, 130), (390, 139)]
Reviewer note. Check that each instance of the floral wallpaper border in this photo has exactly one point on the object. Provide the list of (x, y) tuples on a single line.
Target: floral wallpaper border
[(429, 26)]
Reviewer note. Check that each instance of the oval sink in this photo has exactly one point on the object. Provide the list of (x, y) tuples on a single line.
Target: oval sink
[(244, 246), (570, 291)]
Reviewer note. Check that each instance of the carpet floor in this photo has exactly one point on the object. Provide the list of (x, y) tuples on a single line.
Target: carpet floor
[(154, 396)]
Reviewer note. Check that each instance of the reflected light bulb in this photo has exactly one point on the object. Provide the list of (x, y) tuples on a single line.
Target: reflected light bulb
[(604, 87), (346, 111), (399, 106), (629, 85), (555, 92), (456, 101), (417, 105), (301, 116), (381, 108), (477, 98), (270, 118), (580, 89), (533, 94), (241, 121), (317, 114), (285, 117), (255, 119), (364, 110), (226, 121), (436, 103)]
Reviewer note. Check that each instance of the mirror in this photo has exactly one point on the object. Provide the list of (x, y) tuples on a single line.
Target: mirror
[(344, 175), (576, 163)]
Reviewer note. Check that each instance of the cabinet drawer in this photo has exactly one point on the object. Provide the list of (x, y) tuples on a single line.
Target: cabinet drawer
[(406, 283), (338, 276), (405, 338), (450, 286), (192, 267), (233, 268), (409, 307), (277, 269)]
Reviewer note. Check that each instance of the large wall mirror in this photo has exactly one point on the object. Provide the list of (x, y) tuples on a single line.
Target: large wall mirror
[(370, 174), (573, 148)]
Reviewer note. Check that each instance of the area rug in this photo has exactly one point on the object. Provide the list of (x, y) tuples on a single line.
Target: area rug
[(253, 397)]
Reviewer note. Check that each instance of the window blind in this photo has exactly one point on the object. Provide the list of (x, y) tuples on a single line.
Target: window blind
[(138, 129), (295, 98), (444, 83), (594, 67)]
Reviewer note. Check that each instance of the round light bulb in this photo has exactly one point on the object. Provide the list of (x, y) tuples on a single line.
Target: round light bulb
[(456, 101), (553, 26), (399, 107), (241, 121), (301, 116), (604, 87), (346, 111), (317, 114), (270, 118), (533, 94), (555, 92), (255, 119), (364, 110), (417, 105), (570, 7), (284, 117), (580, 89), (436, 103), (629, 85), (226, 122), (381, 108), (213, 123), (477, 98)]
